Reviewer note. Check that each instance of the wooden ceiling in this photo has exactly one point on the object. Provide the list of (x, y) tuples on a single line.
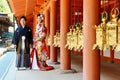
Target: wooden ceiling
[(28, 7), (24, 7)]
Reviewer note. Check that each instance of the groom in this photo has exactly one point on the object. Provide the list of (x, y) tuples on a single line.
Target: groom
[(22, 41)]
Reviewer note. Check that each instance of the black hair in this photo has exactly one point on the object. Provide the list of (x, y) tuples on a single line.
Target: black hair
[(38, 14), (23, 17)]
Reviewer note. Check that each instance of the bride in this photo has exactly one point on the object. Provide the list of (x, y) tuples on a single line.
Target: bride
[(39, 53)]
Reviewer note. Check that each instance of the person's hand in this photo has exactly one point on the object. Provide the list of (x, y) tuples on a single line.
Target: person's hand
[(14, 46)]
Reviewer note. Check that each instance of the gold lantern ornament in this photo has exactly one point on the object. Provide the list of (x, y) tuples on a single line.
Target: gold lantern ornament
[(101, 33), (69, 36), (117, 47), (79, 37), (74, 39), (112, 29), (57, 40), (48, 40), (118, 44)]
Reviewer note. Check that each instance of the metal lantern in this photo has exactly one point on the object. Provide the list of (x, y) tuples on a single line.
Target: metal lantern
[(57, 40), (69, 35), (112, 30), (101, 33)]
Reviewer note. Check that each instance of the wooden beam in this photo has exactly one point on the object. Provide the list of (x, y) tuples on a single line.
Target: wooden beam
[(12, 6), (30, 5), (39, 2), (19, 7), (26, 7), (107, 4)]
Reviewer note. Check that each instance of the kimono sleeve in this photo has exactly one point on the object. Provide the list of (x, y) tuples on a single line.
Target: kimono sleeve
[(30, 36), (44, 32), (14, 40)]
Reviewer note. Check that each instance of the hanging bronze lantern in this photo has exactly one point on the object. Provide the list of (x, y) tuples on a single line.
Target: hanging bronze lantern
[(48, 41), (74, 39), (79, 37), (71, 46), (57, 40), (112, 30), (101, 33), (69, 36), (117, 47)]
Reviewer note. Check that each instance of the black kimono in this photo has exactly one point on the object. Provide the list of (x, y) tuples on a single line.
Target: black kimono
[(22, 39)]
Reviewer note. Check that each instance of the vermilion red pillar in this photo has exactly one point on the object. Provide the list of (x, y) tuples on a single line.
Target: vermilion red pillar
[(34, 23), (65, 57), (47, 25), (91, 58), (53, 25)]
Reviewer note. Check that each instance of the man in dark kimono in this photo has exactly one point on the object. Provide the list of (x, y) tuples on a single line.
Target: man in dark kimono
[(22, 41)]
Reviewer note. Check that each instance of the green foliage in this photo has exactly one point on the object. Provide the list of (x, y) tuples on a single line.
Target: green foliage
[(4, 7)]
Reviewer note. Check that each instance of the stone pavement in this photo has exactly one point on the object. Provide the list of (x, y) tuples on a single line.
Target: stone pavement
[(109, 71)]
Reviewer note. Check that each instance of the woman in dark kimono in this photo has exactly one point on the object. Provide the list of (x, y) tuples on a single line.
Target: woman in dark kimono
[(22, 41)]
